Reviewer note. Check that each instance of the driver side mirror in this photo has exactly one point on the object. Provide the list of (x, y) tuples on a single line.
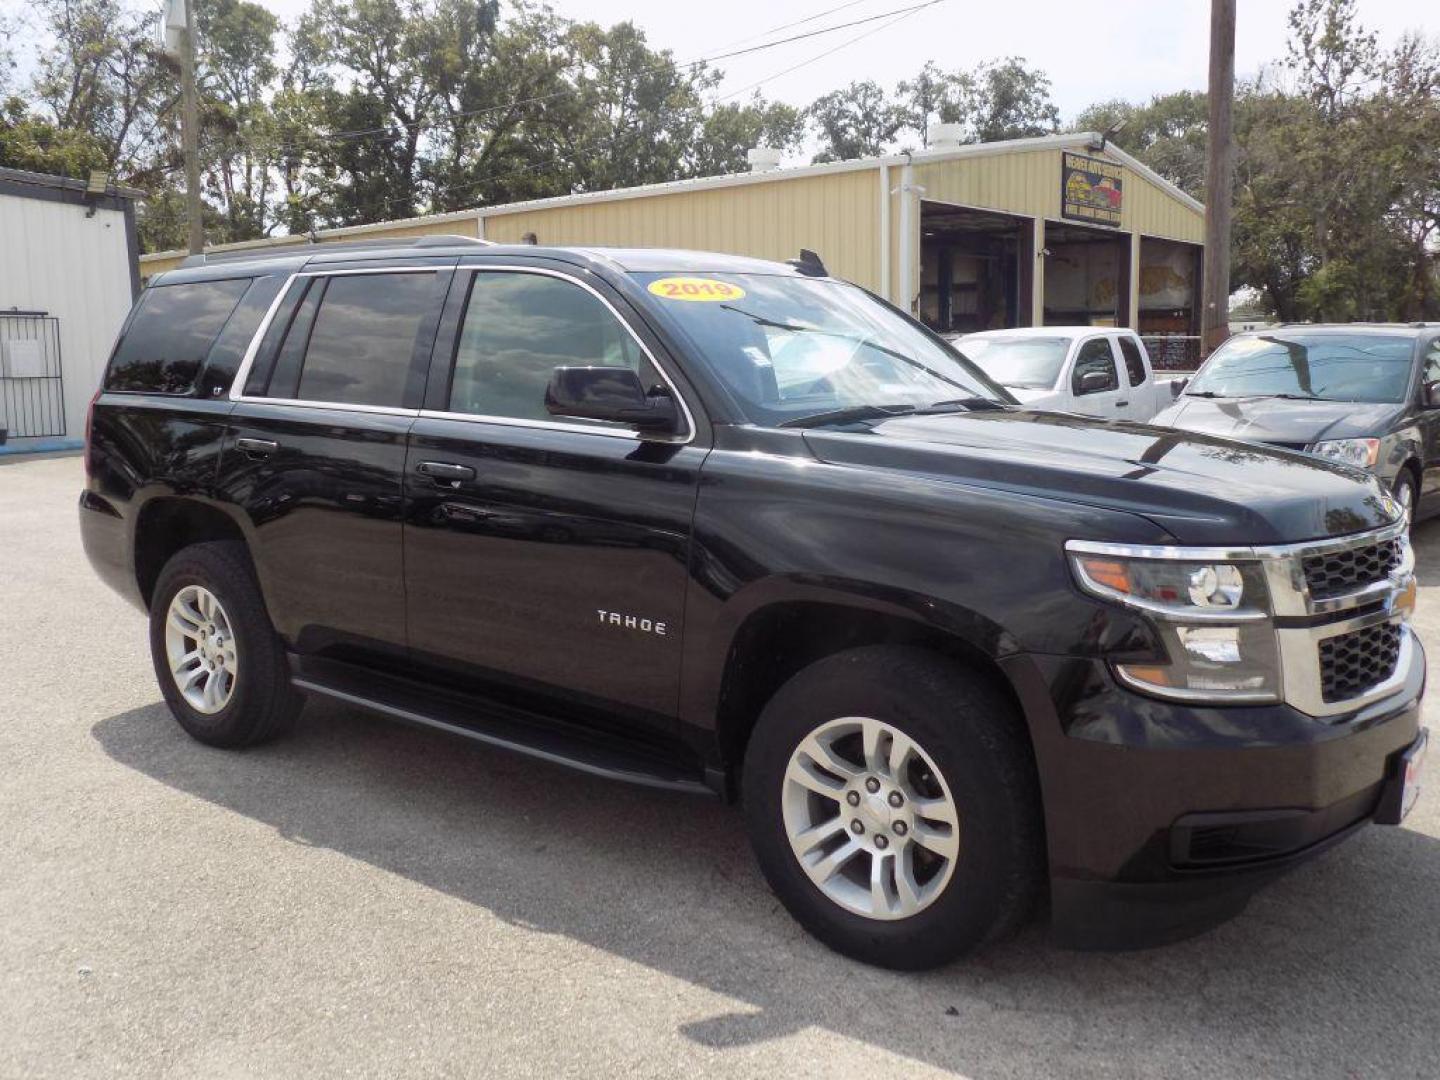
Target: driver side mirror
[(613, 394), (1430, 395), (1093, 382)]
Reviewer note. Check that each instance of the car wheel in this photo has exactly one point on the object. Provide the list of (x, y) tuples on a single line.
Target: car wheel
[(892, 803), (1405, 492), (222, 669)]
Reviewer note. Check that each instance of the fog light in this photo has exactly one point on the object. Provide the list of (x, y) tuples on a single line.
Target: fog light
[(1218, 644)]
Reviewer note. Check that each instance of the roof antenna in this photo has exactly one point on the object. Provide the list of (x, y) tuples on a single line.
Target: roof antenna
[(808, 264)]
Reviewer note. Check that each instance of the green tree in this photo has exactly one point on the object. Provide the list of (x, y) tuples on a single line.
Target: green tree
[(730, 129), (858, 121), (1007, 99)]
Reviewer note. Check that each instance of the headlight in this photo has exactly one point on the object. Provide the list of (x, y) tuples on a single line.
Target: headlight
[(1212, 616), (1361, 453)]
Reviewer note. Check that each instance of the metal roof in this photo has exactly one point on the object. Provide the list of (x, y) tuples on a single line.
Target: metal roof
[(65, 183)]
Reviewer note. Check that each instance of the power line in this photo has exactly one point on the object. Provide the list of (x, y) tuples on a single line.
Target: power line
[(419, 122), (899, 18)]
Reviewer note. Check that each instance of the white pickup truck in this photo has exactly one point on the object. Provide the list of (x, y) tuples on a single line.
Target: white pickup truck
[(1091, 370)]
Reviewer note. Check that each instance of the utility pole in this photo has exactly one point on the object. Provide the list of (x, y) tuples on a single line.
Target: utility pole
[(190, 133), (1220, 176)]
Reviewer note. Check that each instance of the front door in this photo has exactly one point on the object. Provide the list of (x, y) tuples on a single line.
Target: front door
[(540, 551), (1107, 401), (315, 454)]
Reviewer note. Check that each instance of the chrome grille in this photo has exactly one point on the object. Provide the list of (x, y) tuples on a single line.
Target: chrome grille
[(1336, 573), (1352, 663)]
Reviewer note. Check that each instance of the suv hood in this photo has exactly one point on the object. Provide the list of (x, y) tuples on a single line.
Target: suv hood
[(1279, 420), (1201, 489)]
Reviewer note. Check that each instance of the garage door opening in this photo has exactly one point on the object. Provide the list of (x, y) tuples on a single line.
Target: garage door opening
[(1087, 276), (975, 268), (1170, 303)]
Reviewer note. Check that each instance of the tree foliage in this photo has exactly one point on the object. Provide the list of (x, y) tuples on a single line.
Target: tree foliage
[(364, 110)]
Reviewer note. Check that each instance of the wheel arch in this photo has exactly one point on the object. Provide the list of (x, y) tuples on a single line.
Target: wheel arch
[(783, 630), (165, 524)]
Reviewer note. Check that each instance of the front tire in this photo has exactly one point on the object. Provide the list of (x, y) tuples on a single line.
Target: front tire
[(1406, 493), (892, 803), (221, 667)]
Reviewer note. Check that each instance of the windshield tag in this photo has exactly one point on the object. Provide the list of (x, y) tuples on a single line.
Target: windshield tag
[(695, 289)]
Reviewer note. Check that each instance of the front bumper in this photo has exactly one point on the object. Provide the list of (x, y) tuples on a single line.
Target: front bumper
[(1163, 818)]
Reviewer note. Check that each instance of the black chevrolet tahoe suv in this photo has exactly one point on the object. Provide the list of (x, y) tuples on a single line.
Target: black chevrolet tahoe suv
[(720, 525)]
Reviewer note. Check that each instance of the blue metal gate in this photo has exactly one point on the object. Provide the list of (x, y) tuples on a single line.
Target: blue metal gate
[(32, 388)]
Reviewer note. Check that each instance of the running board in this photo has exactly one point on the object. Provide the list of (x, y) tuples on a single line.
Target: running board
[(490, 723)]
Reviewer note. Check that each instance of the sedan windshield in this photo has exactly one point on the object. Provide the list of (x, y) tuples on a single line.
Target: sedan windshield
[(1032, 363), (1314, 366), (791, 349)]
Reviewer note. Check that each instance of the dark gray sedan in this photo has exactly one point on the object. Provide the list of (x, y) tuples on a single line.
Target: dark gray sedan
[(1365, 395)]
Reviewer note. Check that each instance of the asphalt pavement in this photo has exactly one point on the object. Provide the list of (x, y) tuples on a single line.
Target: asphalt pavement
[(364, 899)]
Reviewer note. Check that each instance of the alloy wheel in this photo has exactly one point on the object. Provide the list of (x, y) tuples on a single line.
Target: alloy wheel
[(870, 818), (200, 649)]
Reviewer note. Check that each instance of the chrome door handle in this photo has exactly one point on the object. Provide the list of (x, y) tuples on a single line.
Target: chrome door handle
[(256, 447), (444, 470)]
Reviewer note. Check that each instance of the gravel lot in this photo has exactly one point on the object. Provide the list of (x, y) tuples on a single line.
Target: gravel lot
[(363, 899)]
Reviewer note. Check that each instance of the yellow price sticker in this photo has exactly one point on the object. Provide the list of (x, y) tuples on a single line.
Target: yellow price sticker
[(695, 289)]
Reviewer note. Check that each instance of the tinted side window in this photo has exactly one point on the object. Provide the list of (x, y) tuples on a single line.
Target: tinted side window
[(362, 342), (1430, 372), (170, 335), (518, 329), (1134, 365), (1095, 355)]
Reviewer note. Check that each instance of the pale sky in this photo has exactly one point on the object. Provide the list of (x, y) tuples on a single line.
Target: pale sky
[(1091, 51)]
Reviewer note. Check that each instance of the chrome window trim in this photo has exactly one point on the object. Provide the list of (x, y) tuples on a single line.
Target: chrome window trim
[(253, 349), (677, 439)]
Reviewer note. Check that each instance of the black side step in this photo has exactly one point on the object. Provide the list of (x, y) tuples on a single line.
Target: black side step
[(491, 723)]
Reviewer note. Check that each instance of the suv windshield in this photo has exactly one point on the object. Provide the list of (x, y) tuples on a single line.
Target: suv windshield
[(1367, 367), (789, 348), (1033, 363)]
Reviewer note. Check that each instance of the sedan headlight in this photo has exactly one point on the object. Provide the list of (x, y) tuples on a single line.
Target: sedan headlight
[(1361, 453), (1212, 617)]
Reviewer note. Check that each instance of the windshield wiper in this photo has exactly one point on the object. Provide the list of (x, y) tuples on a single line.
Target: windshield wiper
[(850, 415), (969, 404), (1299, 397), (1204, 393)]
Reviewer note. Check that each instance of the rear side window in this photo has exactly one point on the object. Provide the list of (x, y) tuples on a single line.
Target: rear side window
[(170, 335), (1134, 365), (518, 329), (357, 335), (1095, 355)]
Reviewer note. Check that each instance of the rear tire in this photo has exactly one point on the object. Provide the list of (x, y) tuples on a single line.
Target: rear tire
[(955, 738), (221, 667)]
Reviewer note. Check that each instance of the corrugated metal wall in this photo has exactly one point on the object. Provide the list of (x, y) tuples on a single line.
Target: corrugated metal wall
[(55, 259), (834, 214)]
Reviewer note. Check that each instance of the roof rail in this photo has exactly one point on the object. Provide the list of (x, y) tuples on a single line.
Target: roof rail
[(282, 251)]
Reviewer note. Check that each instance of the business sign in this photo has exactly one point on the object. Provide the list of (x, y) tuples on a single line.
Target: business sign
[(1091, 189)]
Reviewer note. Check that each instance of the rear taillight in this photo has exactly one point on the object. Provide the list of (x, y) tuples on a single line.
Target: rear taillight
[(89, 425)]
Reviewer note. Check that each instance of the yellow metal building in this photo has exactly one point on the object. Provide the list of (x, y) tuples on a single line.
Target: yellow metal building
[(1055, 230)]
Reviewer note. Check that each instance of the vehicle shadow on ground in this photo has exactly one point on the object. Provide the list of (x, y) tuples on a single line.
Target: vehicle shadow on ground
[(1311, 981)]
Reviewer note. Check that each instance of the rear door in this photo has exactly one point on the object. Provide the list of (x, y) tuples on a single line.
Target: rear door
[(1140, 400), (1428, 420), (1109, 401), (544, 553), (315, 453)]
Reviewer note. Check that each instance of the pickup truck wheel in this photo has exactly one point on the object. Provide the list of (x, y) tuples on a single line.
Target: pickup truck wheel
[(220, 664), (892, 803)]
